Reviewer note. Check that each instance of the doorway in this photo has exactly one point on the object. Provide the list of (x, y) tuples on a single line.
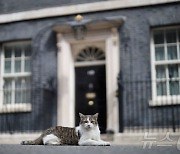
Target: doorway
[(90, 93), (99, 48)]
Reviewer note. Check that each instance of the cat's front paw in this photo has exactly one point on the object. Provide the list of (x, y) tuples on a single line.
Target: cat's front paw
[(105, 143)]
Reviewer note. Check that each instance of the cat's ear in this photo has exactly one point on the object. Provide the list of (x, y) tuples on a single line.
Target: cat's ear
[(81, 115), (96, 115)]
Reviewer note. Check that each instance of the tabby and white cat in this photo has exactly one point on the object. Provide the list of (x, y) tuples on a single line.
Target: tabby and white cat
[(87, 133)]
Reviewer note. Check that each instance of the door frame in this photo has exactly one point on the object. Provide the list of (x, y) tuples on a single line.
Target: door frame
[(66, 75)]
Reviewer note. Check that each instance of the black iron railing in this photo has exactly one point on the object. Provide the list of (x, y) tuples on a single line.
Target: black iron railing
[(140, 112), (32, 110)]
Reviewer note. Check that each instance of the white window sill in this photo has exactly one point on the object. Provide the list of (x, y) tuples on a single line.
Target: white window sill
[(11, 108), (165, 100)]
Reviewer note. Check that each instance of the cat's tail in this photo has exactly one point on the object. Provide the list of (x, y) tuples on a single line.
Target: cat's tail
[(28, 143), (37, 141)]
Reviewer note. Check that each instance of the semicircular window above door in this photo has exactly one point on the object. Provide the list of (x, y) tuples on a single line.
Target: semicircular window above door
[(90, 53)]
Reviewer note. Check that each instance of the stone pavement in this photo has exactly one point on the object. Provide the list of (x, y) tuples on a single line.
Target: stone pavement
[(123, 149)]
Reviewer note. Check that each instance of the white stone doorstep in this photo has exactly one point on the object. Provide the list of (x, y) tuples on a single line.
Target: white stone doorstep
[(118, 139), (17, 138), (156, 138)]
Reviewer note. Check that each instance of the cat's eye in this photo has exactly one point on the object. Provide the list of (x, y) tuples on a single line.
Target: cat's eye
[(85, 121), (93, 122)]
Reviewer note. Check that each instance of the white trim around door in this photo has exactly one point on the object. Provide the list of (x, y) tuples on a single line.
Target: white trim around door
[(66, 77)]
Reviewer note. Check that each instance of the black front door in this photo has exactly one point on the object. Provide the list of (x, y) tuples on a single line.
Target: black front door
[(91, 93)]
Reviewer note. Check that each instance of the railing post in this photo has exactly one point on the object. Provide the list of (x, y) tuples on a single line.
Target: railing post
[(173, 119)]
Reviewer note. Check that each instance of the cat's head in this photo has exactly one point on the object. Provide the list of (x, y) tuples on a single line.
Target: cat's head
[(88, 121)]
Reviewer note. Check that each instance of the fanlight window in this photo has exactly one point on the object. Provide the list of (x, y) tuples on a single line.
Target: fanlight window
[(90, 54)]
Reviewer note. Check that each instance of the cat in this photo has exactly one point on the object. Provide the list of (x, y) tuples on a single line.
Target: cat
[(89, 131), (86, 134)]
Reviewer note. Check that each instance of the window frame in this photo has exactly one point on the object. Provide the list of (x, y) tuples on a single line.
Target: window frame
[(19, 107), (166, 99)]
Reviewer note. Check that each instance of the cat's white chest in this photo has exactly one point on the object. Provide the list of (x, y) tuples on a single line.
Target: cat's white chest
[(90, 134), (93, 135)]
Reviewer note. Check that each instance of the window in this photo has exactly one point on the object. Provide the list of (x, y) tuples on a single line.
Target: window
[(15, 77), (165, 58)]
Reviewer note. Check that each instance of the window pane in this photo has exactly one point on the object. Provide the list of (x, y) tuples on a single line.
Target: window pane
[(17, 51), (18, 89), (28, 90), (159, 51), (160, 72), (159, 37), (27, 65), (171, 36), (174, 87), (7, 91), (27, 51), (172, 52), (161, 88), (7, 52), (173, 71), (17, 66), (23, 90), (7, 66)]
